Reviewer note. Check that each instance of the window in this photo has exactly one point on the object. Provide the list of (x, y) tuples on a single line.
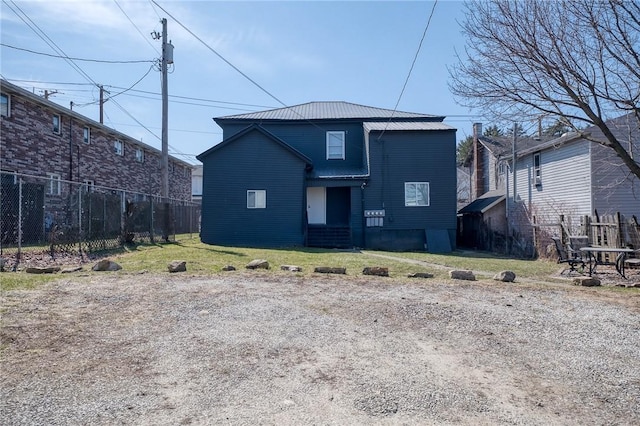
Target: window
[(139, 155), (416, 194), (54, 184), (5, 106), (537, 177), (87, 185), (118, 147), (86, 135), (256, 199), (56, 124), (335, 145)]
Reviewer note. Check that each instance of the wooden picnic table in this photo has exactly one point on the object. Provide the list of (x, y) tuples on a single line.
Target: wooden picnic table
[(594, 261)]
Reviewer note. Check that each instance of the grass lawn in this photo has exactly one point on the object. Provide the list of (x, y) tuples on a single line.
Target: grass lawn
[(203, 259)]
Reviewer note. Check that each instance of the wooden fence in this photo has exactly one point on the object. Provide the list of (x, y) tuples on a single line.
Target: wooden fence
[(602, 231)]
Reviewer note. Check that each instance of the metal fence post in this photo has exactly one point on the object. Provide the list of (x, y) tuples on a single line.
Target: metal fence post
[(19, 224), (80, 221)]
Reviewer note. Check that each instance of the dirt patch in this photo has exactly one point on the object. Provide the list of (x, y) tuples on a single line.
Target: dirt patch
[(279, 348)]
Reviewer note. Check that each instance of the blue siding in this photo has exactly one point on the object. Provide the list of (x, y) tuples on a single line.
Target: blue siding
[(253, 162), (310, 139), (400, 157)]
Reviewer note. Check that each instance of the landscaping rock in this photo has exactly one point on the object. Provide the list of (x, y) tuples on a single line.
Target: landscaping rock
[(106, 265), (291, 268), (229, 268), (330, 270), (586, 281), (71, 269), (505, 276), (42, 270), (462, 275), (420, 275), (258, 264), (177, 266), (376, 270)]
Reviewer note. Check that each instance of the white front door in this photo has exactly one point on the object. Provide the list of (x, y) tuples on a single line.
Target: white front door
[(317, 205)]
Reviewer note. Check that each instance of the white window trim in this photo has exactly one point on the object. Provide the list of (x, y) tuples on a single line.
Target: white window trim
[(54, 184), (86, 135), (115, 147), (59, 129), (537, 170), (88, 185), (414, 202), (259, 199), (6, 95), (331, 134), (140, 155)]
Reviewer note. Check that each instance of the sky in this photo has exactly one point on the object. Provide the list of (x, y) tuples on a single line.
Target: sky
[(232, 57)]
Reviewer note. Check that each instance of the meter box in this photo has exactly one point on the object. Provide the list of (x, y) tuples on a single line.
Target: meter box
[(374, 217)]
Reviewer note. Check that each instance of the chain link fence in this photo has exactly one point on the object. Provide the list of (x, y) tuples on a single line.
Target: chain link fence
[(55, 216)]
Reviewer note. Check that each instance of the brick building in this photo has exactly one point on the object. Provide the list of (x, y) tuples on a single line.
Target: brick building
[(41, 138)]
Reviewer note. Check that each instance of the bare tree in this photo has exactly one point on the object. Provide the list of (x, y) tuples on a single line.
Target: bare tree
[(574, 60)]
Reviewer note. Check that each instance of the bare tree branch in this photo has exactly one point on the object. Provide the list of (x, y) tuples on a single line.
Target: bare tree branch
[(575, 60)]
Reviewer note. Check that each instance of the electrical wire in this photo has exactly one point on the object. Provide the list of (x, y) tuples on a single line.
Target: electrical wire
[(102, 61), (415, 58), (136, 27)]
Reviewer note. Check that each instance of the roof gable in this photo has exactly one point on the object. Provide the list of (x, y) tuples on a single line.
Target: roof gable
[(329, 110), (254, 128)]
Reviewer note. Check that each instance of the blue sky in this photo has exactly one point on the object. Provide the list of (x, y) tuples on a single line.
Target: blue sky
[(297, 51)]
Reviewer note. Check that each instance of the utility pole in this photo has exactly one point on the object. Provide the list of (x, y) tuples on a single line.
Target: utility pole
[(101, 104), (167, 58)]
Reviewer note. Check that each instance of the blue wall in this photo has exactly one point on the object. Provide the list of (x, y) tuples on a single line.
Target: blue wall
[(253, 162)]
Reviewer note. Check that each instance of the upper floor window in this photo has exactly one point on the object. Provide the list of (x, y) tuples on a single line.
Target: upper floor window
[(256, 199), (86, 135), (416, 194), (56, 124), (139, 155), (5, 106), (537, 176), (118, 147), (54, 184), (335, 145)]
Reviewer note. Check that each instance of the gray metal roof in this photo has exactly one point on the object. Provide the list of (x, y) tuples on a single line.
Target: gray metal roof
[(328, 110), (487, 201), (405, 125)]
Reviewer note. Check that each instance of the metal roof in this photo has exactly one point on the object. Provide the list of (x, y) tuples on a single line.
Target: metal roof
[(487, 201), (405, 125), (329, 110)]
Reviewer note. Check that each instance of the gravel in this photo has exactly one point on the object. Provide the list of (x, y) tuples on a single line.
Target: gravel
[(282, 348)]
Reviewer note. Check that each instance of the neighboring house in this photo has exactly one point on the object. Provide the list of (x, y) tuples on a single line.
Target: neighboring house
[(331, 174), (567, 175), (464, 186), (196, 184), (43, 139)]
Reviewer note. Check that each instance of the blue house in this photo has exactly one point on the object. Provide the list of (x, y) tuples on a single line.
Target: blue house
[(331, 174)]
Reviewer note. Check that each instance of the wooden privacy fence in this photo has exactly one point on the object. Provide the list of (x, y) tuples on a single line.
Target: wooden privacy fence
[(612, 231)]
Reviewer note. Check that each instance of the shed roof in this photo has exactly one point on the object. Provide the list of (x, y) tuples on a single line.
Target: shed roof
[(329, 110), (483, 204)]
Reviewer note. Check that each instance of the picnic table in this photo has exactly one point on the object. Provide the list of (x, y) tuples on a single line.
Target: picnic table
[(594, 260)]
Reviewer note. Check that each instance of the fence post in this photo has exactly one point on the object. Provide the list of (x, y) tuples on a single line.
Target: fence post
[(80, 220), (151, 221)]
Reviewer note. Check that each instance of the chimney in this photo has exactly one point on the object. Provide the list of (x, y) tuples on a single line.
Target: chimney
[(478, 188)]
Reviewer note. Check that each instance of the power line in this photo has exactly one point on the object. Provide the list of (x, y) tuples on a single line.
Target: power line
[(224, 59), (136, 27), (102, 61), (415, 58)]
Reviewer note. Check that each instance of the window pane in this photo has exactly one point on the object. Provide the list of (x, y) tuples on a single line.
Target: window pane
[(251, 200), (416, 194), (86, 137), (56, 124), (4, 105), (335, 145)]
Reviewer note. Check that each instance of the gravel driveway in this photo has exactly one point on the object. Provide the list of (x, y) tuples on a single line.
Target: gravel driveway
[(276, 348)]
